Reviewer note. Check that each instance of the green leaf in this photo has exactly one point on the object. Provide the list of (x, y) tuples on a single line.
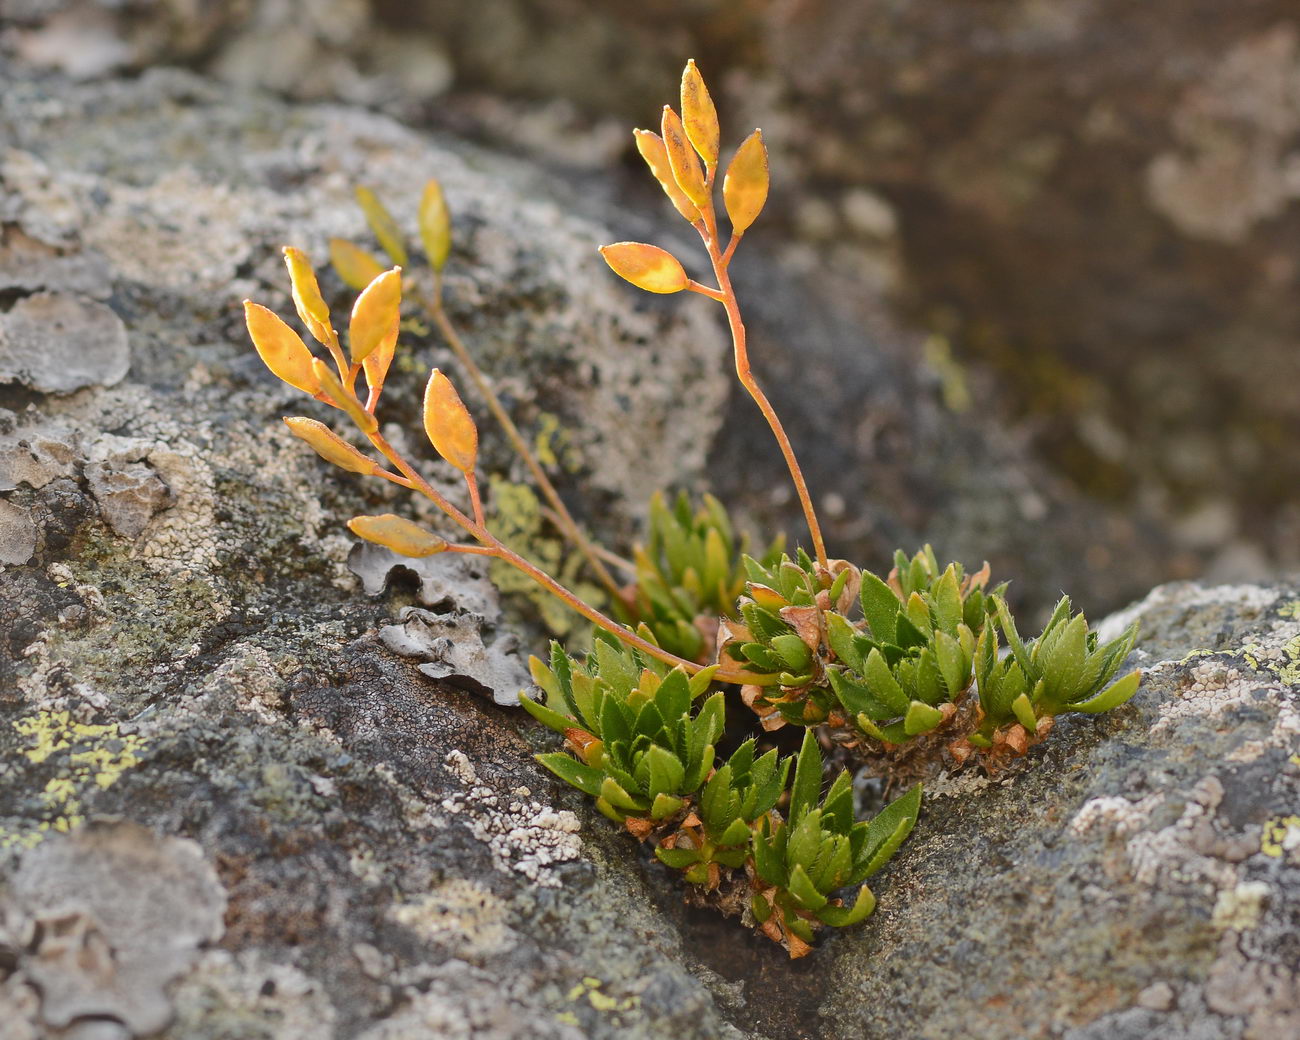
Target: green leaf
[(888, 829), (702, 680), (837, 809), (716, 809), (921, 718), (807, 787), (842, 639), (946, 601), (843, 916), (768, 859), (794, 652), (855, 697), (659, 772), (618, 797), (805, 841), (1112, 697), (1024, 713), (1013, 636), (954, 665), (615, 720), (884, 685), (673, 698), (664, 806), (737, 833), (880, 607), (802, 888), (571, 771), (552, 719), (677, 859)]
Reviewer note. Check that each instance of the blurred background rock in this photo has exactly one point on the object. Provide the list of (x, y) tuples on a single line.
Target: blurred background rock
[(1028, 285)]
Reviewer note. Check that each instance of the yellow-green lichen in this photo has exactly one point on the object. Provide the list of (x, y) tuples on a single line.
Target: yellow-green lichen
[(590, 988), (1278, 835), (517, 519), (553, 446), (88, 755), (1290, 610)]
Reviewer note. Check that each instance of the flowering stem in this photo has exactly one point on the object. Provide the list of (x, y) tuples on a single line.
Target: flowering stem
[(561, 515)]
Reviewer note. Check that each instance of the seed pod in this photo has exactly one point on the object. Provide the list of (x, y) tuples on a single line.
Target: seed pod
[(447, 422), (699, 117), (682, 161), (744, 189), (393, 532), (651, 147), (311, 306), (383, 225), (330, 446), (645, 266), (376, 365), (280, 348), (435, 225), (339, 397), (375, 315), (353, 264)]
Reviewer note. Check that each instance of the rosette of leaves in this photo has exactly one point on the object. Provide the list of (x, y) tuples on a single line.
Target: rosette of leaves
[(717, 834), (689, 573), (905, 668), (800, 863), (781, 636), (636, 745), (1065, 669)]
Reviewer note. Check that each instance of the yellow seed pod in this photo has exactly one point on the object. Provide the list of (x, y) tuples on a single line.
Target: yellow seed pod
[(448, 423), (383, 225), (651, 147), (376, 365), (375, 315), (280, 348), (336, 395), (311, 306), (330, 446), (435, 225), (393, 532), (645, 266), (686, 168), (744, 189), (353, 264), (699, 117)]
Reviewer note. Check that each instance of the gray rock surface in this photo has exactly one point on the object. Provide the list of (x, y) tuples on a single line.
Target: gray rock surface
[(338, 845)]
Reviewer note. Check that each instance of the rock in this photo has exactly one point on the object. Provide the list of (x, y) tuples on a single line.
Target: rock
[(56, 343), (17, 534), (204, 716), (113, 914)]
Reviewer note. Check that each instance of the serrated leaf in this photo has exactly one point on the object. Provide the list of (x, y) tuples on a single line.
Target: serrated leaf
[(1111, 697), (803, 890), (888, 829), (551, 719), (953, 663), (619, 797), (677, 859), (664, 805), (842, 639), (737, 833), (842, 916), (794, 652), (674, 696), (883, 684), (659, 772), (946, 602), (921, 718), (1008, 624), (807, 787)]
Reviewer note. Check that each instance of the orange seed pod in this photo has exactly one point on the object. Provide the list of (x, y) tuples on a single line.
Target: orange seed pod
[(393, 532), (651, 147), (449, 425), (435, 225), (699, 117), (330, 446), (353, 264), (682, 161), (311, 306), (375, 315), (744, 189), (645, 266), (282, 349), (383, 225), (338, 396)]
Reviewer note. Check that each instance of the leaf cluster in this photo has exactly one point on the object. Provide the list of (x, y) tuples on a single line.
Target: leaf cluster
[(689, 573)]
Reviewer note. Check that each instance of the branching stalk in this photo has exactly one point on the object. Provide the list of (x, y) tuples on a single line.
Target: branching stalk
[(563, 518)]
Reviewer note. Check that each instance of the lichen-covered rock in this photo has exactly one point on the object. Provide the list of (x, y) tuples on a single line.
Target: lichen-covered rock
[(243, 815)]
